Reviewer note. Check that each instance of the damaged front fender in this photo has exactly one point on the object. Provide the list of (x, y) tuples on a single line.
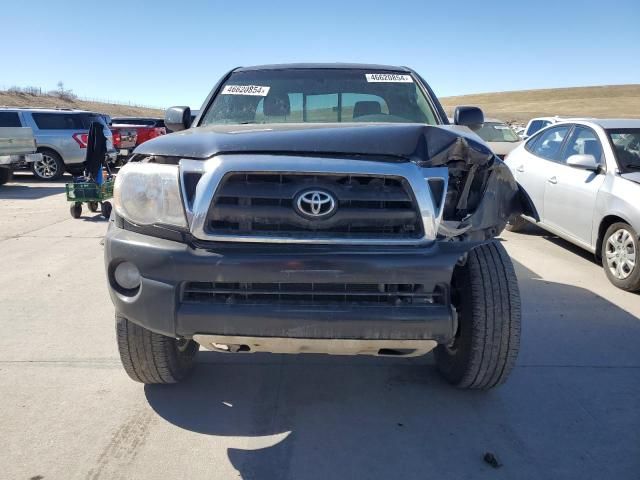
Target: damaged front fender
[(500, 201), (482, 194)]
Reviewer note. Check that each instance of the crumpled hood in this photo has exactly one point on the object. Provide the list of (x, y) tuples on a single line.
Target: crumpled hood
[(404, 141), (481, 194)]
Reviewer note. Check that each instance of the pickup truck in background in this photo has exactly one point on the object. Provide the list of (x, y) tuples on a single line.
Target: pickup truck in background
[(17, 149), (124, 141), (145, 128)]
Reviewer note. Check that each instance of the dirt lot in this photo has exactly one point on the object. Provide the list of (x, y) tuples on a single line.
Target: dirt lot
[(570, 409), (617, 101)]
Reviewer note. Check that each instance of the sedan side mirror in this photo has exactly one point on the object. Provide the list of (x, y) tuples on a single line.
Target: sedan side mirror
[(177, 118), (471, 117), (585, 162)]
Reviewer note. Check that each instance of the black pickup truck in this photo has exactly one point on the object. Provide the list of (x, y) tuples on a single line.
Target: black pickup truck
[(315, 208)]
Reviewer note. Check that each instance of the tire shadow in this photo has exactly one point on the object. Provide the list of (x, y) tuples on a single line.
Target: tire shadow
[(569, 409)]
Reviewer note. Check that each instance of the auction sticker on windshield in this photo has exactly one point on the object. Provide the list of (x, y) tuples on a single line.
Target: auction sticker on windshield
[(388, 77), (255, 90)]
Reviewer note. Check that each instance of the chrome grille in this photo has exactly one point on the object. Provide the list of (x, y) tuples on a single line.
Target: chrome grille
[(262, 204)]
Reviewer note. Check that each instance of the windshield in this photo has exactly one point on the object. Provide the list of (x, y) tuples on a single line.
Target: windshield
[(497, 132), (626, 146), (319, 96)]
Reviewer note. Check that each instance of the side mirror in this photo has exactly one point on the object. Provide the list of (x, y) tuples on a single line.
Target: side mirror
[(177, 118), (471, 117), (585, 162)]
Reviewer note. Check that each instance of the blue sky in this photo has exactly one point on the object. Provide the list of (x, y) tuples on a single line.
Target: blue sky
[(171, 53)]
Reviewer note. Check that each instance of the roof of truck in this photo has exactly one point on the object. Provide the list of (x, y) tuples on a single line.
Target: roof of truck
[(334, 66)]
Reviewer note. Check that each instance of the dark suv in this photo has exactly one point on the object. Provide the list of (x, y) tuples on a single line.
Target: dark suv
[(315, 209)]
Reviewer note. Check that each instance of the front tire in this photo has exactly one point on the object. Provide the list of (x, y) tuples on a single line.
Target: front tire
[(51, 167), (149, 357), (621, 256), (486, 296)]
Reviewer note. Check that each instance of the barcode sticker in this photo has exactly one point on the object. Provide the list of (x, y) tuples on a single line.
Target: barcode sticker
[(388, 78), (254, 90)]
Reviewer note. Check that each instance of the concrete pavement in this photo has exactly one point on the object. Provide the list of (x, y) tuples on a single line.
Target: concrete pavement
[(68, 411)]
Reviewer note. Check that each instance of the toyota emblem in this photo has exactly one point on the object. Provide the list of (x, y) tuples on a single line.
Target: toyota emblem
[(315, 203)]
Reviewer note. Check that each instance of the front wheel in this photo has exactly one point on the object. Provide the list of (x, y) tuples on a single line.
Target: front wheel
[(149, 357), (487, 299), (621, 255)]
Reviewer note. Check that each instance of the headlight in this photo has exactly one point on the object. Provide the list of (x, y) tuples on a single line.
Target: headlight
[(148, 193)]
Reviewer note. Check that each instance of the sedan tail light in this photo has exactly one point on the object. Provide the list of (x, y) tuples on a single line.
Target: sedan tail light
[(117, 138), (81, 139)]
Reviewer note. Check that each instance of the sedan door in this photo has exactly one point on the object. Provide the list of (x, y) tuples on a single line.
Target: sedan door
[(533, 164), (570, 193)]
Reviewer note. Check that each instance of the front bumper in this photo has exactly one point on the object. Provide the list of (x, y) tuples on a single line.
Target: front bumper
[(167, 265)]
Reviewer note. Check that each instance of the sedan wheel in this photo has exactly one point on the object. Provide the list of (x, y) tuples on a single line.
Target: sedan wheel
[(620, 256)]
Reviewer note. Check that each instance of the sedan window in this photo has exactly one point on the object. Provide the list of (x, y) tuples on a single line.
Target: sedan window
[(626, 146), (549, 143), (583, 141)]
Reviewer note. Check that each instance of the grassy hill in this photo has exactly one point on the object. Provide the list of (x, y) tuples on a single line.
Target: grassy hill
[(16, 99), (614, 101)]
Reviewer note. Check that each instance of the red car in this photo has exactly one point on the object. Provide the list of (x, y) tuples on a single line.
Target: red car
[(147, 128)]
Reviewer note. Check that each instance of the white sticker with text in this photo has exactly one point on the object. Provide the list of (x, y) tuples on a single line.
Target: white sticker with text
[(254, 90), (388, 78)]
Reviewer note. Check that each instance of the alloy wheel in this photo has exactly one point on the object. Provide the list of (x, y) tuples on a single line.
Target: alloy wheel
[(621, 254), (47, 167)]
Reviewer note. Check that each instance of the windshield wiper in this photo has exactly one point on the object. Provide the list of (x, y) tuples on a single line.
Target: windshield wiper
[(632, 166)]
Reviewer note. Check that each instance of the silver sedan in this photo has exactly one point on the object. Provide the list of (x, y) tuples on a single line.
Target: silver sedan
[(581, 181)]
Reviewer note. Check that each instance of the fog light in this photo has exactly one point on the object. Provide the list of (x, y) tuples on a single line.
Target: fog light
[(127, 275)]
